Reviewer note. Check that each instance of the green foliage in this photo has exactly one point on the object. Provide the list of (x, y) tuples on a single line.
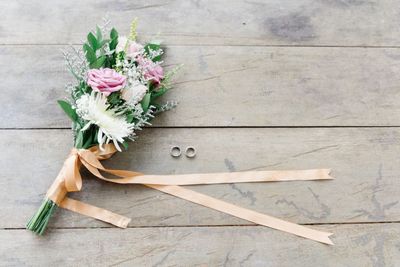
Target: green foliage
[(113, 45), (80, 89), (113, 33), (146, 102), (125, 145), (90, 53), (153, 47), (83, 139), (95, 51), (114, 39), (159, 92), (114, 100), (68, 110), (98, 33), (79, 139), (129, 116), (98, 63), (89, 136), (93, 41)]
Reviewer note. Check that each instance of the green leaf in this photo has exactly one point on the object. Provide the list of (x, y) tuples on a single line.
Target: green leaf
[(125, 144), (90, 54), (93, 41), (115, 100), (90, 136), (114, 39), (113, 33), (103, 42), (158, 93), (68, 110), (157, 58), (98, 63), (129, 117), (151, 46), (113, 44), (98, 33), (79, 140), (145, 102), (88, 142)]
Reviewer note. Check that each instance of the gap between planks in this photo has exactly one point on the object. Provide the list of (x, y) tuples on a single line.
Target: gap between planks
[(201, 226), (224, 45), (222, 127)]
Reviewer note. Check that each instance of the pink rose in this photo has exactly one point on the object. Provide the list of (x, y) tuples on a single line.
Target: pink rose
[(105, 80), (151, 71), (134, 49)]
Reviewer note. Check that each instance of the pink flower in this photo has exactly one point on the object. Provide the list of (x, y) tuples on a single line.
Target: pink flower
[(134, 49), (151, 71), (105, 80), (131, 48)]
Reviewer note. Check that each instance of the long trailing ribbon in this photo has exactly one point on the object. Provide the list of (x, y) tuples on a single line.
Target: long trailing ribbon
[(70, 180)]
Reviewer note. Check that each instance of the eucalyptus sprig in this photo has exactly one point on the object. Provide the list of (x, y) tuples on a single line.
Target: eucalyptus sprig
[(98, 51)]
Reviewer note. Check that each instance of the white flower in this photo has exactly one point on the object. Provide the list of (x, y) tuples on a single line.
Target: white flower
[(112, 125), (134, 94), (122, 43)]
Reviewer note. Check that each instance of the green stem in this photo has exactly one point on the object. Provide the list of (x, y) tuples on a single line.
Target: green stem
[(40, 219)]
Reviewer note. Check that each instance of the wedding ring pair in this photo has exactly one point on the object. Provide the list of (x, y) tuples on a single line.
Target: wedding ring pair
[(190, 152)]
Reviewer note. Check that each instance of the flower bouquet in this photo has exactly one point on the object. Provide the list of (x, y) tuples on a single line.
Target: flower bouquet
[(118, 83)]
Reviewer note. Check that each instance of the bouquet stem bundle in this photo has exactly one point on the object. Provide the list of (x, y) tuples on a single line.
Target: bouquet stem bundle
[(40, 219)]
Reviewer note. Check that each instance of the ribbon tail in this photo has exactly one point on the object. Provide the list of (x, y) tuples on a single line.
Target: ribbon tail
[(243, 213), (95, 212)]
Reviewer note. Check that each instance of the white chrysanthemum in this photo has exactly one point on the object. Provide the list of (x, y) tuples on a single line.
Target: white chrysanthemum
[(112, 125)]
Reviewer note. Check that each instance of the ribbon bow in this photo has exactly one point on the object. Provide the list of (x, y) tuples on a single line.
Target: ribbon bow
[(70, 180)]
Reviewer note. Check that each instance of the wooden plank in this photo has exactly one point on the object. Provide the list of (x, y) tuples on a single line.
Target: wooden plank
[(365, 163), (228, 86), (223, 22), (371, 245)]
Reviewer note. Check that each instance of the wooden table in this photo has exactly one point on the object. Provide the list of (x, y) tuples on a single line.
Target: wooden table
[(267, 85)]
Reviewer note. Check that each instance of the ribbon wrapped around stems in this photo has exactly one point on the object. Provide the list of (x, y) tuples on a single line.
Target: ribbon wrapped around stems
[(70, 180)]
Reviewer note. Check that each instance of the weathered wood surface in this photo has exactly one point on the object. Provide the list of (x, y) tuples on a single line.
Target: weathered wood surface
[(365, 163), (357, 245), (305, 22), (228, 86), (247, 63)]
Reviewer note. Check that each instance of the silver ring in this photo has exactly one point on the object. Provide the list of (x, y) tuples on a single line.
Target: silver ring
[(175, 151), (190, 152)]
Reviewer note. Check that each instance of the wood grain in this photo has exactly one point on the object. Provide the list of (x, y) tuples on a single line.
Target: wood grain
[(364, 161), (228, 86), (371, 245), (221, 22)]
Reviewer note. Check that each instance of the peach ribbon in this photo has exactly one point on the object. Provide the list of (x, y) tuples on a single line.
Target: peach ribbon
[(70, 180)]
